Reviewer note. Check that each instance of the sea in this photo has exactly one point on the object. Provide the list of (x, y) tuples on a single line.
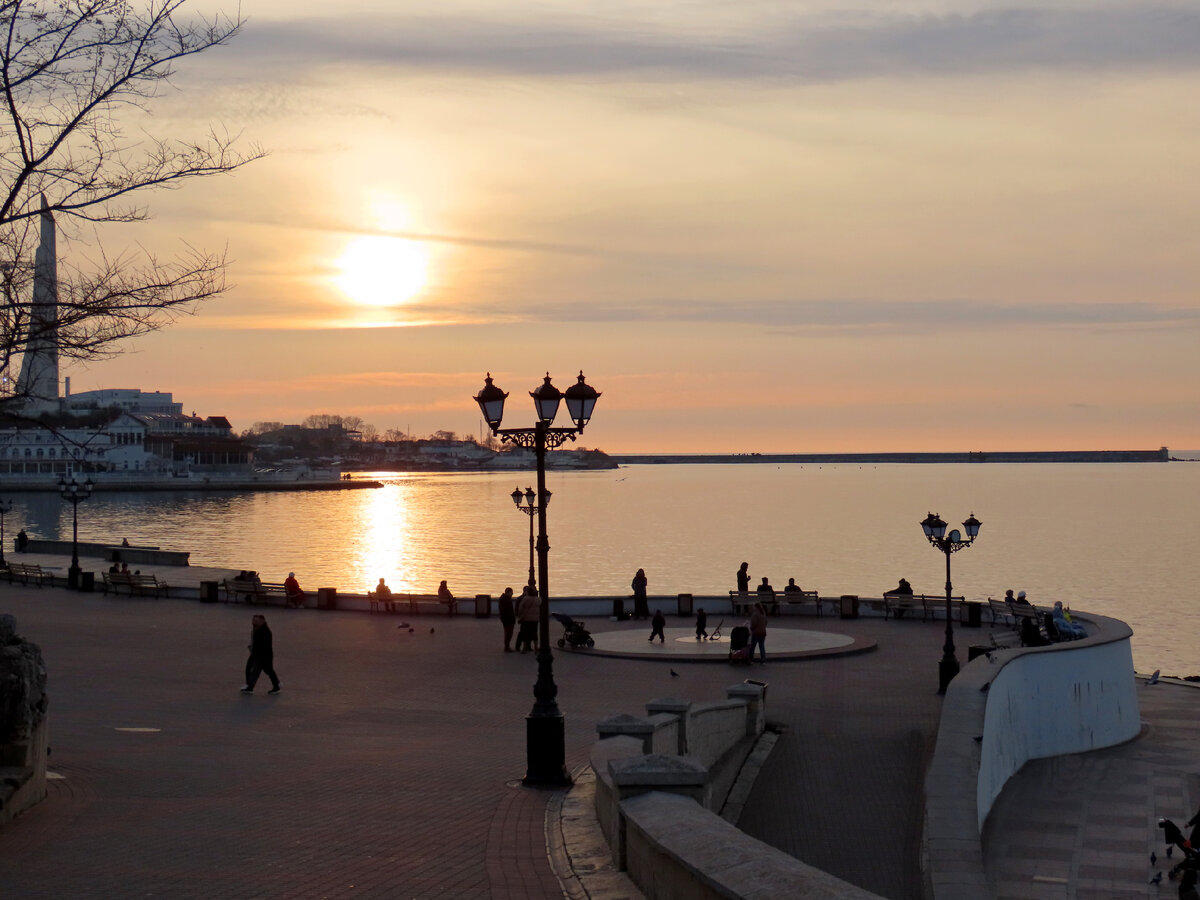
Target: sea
[(1111, 538)]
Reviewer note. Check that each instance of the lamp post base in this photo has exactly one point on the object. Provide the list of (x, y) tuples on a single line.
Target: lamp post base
[(545, 751), (947, 669), (73, 577)]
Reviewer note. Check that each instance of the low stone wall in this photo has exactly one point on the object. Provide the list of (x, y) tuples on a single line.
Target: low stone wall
[(999, 713), (661, 780), (23, 726), (145, 556), (676, 850)]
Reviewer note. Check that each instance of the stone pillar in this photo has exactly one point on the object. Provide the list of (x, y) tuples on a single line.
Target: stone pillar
[(679, 709), (755, 697), (641, 774)]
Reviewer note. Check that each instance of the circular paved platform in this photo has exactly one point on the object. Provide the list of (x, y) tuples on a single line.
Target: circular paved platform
[(681, 644)]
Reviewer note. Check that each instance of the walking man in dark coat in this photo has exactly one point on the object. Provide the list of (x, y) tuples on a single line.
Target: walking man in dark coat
[(262, 656)]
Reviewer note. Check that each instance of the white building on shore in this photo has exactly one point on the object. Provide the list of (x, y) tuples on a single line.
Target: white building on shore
[(122, 431)]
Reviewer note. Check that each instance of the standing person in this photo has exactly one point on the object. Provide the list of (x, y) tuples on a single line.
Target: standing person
[(758, 633), (656, 627), (743, 578), (528, 608), (508, 617), (701, 624), (640, 609), (262, 656)]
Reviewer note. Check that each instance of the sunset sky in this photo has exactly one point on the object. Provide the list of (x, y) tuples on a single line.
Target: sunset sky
[(755, 226)]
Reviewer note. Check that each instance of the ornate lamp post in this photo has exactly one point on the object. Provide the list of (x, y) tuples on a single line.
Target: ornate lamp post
[(935, 531), (74, 493), (545, 733), (6, 506), (530, 509)]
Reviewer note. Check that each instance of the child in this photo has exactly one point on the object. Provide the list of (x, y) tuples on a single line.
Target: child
[(701, 625), (656, 627)]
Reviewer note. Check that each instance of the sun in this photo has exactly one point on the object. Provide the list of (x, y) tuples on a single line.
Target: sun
[(382, 271)]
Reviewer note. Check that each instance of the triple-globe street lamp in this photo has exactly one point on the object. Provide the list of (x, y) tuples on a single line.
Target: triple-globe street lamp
[(545, 732), (530, 509), (74, 493), (935, 531)]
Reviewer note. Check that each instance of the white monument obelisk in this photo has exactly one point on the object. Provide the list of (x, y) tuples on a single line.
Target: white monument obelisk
[(37, 385)]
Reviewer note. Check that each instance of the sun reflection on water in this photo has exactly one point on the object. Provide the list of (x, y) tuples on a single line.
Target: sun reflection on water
[(383, 544)]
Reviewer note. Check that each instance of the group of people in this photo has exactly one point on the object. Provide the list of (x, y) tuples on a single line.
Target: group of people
[(764, 587), (1057, 623), (524, 610)]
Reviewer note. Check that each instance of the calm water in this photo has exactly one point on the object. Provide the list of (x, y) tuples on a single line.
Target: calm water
[(1115, 539)]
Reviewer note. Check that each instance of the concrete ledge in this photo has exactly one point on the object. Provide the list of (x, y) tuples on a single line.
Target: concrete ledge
[(659, 733), (677, 849)]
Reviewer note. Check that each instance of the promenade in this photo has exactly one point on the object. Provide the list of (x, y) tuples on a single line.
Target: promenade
[(389, 766)]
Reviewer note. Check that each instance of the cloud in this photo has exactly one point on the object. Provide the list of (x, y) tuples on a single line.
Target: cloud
[(850, 316), (787, 45)]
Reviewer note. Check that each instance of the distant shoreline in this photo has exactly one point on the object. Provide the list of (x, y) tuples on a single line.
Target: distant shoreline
[(1049, 456)]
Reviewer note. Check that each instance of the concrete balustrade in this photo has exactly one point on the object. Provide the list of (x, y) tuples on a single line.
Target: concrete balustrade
[(661, 780)]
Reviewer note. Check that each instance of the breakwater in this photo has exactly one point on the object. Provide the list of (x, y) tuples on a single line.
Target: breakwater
[(973, 456)]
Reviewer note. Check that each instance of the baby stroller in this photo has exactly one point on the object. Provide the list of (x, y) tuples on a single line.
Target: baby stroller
[(739, 644), (573, 632)]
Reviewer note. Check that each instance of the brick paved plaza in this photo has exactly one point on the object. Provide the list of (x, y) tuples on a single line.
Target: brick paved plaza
[(388, 765)]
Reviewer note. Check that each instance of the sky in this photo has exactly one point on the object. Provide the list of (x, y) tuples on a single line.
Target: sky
[(754, 226)]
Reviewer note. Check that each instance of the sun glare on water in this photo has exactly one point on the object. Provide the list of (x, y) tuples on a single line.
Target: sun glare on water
[(382, 271)]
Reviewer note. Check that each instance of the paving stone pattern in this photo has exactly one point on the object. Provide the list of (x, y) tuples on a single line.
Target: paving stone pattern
[(389, 765)]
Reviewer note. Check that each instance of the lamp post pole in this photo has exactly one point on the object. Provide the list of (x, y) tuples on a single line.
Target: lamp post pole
[(545, 728), (74, 493), (531, 508), (935, 531), (6, 506)]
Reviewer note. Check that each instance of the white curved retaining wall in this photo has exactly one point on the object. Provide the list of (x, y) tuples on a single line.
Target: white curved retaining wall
[(1053, 701), (1022, 704)]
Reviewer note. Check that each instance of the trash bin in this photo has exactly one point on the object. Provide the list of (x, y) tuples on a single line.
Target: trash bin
[(326, 598), (849, 606), (87, 582), (208, 592), (618, 612), (483, 606), (973, 614), (685, 604), (975, 650)]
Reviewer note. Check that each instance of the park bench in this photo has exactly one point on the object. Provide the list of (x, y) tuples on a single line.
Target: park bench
[(415, 601), (999, 610), (743, 602), (896, 605), (135, 583), (240, 590), (382, 602), (799, 598), (28, 573)]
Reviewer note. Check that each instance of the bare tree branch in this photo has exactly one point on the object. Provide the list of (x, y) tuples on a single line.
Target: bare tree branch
[(70, 70)]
